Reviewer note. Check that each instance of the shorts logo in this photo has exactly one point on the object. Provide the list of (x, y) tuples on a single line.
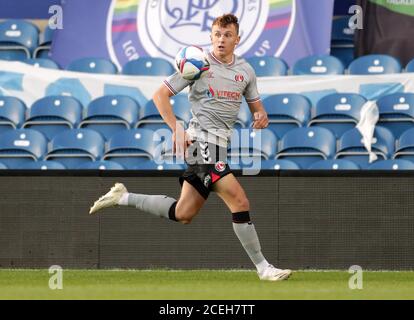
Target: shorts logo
[(220, 166), (207, 180), (239, 78)]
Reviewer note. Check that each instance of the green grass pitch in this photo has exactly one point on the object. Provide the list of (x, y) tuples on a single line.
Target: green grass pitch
[(202, 284)]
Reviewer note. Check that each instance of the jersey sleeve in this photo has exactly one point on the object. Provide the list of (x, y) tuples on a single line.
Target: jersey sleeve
[(251, 93), (175, 83)]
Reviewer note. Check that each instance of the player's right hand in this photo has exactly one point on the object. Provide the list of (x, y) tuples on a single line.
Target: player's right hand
[(181, 141)]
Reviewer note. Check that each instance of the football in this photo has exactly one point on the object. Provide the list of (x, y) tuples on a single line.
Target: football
[(191, 62)]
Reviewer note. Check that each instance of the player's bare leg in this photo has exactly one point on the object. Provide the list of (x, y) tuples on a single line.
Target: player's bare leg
[(233, 195), (183, 210)]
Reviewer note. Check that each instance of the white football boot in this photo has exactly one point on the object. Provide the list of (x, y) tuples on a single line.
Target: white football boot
[(274, 274), (110, 199)]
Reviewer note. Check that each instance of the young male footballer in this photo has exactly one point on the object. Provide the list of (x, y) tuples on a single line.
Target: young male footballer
[(215, 99)]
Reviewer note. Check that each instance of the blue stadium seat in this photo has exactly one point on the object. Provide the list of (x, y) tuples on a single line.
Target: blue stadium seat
[(271, 164), (54, 114), (334, 164), (2, 166), (268, 66), (318, 65), (249, 143), (18, 38), (351, 147), (286, 112), (21, 146), (338, 112), (148, 66), (405, 146), (42, 165), (396, 112), (150, 117), (152, 165), (12, 113), (244, 117), (42, 63), (76, 146), (395, 164), (110, 114), (374, 64), (307, 145), (93, 65), (132, 147), (410, 66), (101, 165), (342, 40), (45, 42)]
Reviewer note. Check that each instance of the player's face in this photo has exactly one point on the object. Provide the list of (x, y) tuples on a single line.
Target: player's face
[(224, 40)]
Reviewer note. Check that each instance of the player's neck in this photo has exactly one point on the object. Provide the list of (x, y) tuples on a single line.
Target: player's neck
[(223, 59)]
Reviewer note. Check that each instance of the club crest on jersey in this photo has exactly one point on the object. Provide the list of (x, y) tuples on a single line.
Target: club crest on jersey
[(220, 166), (239, 78)]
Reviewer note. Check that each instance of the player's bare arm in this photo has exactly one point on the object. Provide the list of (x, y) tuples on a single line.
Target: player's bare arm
[(180, 138)]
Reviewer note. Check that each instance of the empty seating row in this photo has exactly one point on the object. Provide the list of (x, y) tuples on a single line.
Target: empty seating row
[(136, 148)]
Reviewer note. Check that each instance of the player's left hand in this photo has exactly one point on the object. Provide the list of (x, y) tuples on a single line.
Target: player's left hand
[(260, 120)]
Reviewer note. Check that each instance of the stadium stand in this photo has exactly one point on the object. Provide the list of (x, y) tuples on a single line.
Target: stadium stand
[(93, 65), (42, 62), (18, 39), (42, 165), (338, 112), (148, 66), (395, 164), (374, 64), (318, 65), (410, 66), (286, 112), (342, 40), (45, 42), (405, 146), (268, 66), (101, 165), (334, 164), (110, 114), (12, 113)]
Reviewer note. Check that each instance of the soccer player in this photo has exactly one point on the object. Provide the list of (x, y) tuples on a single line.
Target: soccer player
[(215, 98)]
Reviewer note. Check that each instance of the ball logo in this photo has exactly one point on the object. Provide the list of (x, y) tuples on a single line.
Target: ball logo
[(220, 166), (161, 28)]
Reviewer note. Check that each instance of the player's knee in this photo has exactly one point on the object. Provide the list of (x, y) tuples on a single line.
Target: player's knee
[(185, 216), (242, 203)]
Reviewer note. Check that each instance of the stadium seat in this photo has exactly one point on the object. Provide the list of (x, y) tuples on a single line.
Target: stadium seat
[(150, 117), (45, 42), (76, 146), (250, 143), (101, 165), (42, 63), (318, 65), (374, 64), (134, 146), (2, 166), (338, 112), (271, 164), (268, 66), (12, 113), (244, 117), (334, 164), (110, 114), (395, 164), (152, 165), (21, 146), (286, 112), (410, 66), (342, 40), (396, 112), (54, 114), (148, 66), (307, 145), (405, 146), (93, 65), (18, 38), (351, 147), (42, 165)]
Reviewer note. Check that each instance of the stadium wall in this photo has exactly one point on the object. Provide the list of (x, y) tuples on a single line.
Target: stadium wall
[(305, 220)]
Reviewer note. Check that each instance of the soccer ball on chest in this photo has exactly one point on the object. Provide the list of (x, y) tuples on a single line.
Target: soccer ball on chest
[(191, 62)]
